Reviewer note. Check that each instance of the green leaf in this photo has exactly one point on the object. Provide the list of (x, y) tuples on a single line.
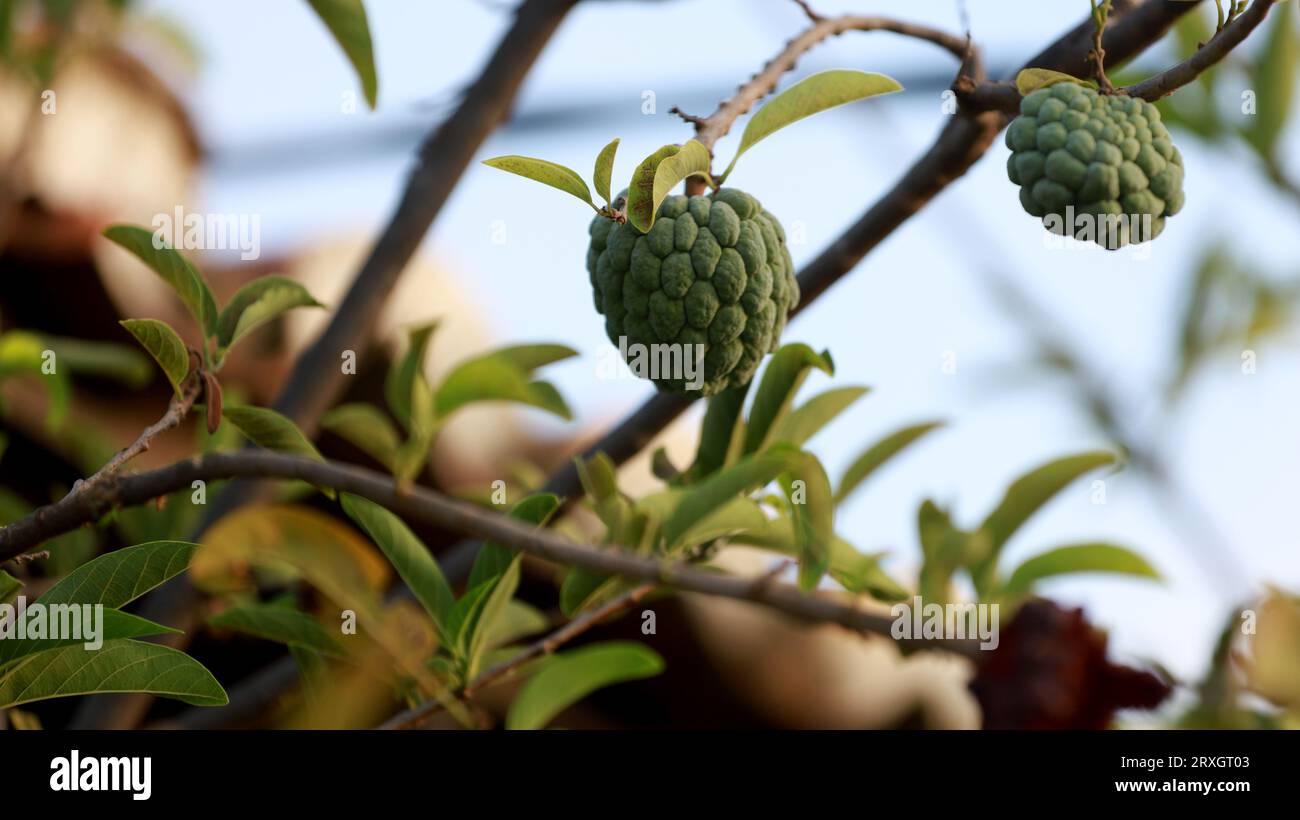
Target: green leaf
[(605, 170), (721, 431), (408, 555), (1077, 558), (118, 578), (346, 20), (116, 624), (174, 269), (785, 373), (580, 589), (1034, 489), (748, 474), (164, 345), (23, 352), (123, 363), (814, 516), (279, 624), (943, 548), (809, 96), (518, 620), (401, 383), (571, 676), (503, 375), (547, 173), (9, 587), (494, 559), (855, 571), (805, 421), (658, 174), (259, 301), (877, 454), (1032, 79), (495, 602), (119, 666), (365, 427), (1274, 81), (267, 428)]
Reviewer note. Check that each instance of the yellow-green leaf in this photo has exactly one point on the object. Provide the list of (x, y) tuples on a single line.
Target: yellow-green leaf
[(547, 173), (1078, 558), (877, 454), (658, 174), (259, 301), (174, 269), (605, 170), (267, 428), (571, 676), (1032, 79), (164, 345), (811, 95), (366, 428), (346, 20)]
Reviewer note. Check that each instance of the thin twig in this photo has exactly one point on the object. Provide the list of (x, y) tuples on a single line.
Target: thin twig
[(1219, 46), (1100, 16), (429, 507), (177, 409), (419, 715)]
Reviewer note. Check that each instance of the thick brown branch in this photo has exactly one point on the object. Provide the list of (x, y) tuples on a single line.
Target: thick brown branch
[(427, 506), (1219, 46)]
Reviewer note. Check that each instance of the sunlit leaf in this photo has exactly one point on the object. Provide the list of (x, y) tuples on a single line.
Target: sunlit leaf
[(498, 376), (548, 173), (721, 433), (346, 20), (805, 421), (571, 676), (404, 378), (1034, 489), (605, 170), (809, 96), (257, 302), (1076, 558), (120, 362), (877, 454), (23, 352), (1030, 80), (267, 428), (493, 559), (782, 378), (656, 177)]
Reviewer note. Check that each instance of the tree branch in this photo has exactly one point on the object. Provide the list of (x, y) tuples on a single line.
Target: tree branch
[(416, 717), (427, 506), (1219, 46)]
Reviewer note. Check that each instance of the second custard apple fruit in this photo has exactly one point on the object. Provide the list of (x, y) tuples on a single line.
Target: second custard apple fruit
[(1078, 155), (712, 271)]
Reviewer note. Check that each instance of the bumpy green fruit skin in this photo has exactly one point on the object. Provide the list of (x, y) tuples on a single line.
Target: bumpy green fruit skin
[(1094, 154), (712, 270)]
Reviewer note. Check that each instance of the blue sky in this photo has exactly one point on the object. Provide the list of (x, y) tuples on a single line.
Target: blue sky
[(272, 77)]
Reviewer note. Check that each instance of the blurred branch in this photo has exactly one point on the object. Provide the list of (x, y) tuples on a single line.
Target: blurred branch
[(429, 507), (414, 718)]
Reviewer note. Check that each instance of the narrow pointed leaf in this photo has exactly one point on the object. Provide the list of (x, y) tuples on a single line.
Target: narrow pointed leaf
[(809, 96), (401, 380), (1034, 489), (748, 474), (116, 624), (493, 559), (721, 432), (877, 454), (571, 676), (408, 555), (346, 21), (497, 377), (1078, 558), (782, 379), (805, 421), (605, 170), (175, 270), (164, 345), (257, 302), (548, 173)]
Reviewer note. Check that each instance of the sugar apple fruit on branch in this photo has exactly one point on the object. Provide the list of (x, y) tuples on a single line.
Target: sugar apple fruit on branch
[(1097, 167), (712, 271)]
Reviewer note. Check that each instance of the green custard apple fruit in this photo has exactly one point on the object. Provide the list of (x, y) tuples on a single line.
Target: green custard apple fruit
[(713, 276), (1097, 167)]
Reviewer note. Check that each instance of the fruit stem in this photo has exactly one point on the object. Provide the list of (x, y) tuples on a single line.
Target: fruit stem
[(1100, 14)]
